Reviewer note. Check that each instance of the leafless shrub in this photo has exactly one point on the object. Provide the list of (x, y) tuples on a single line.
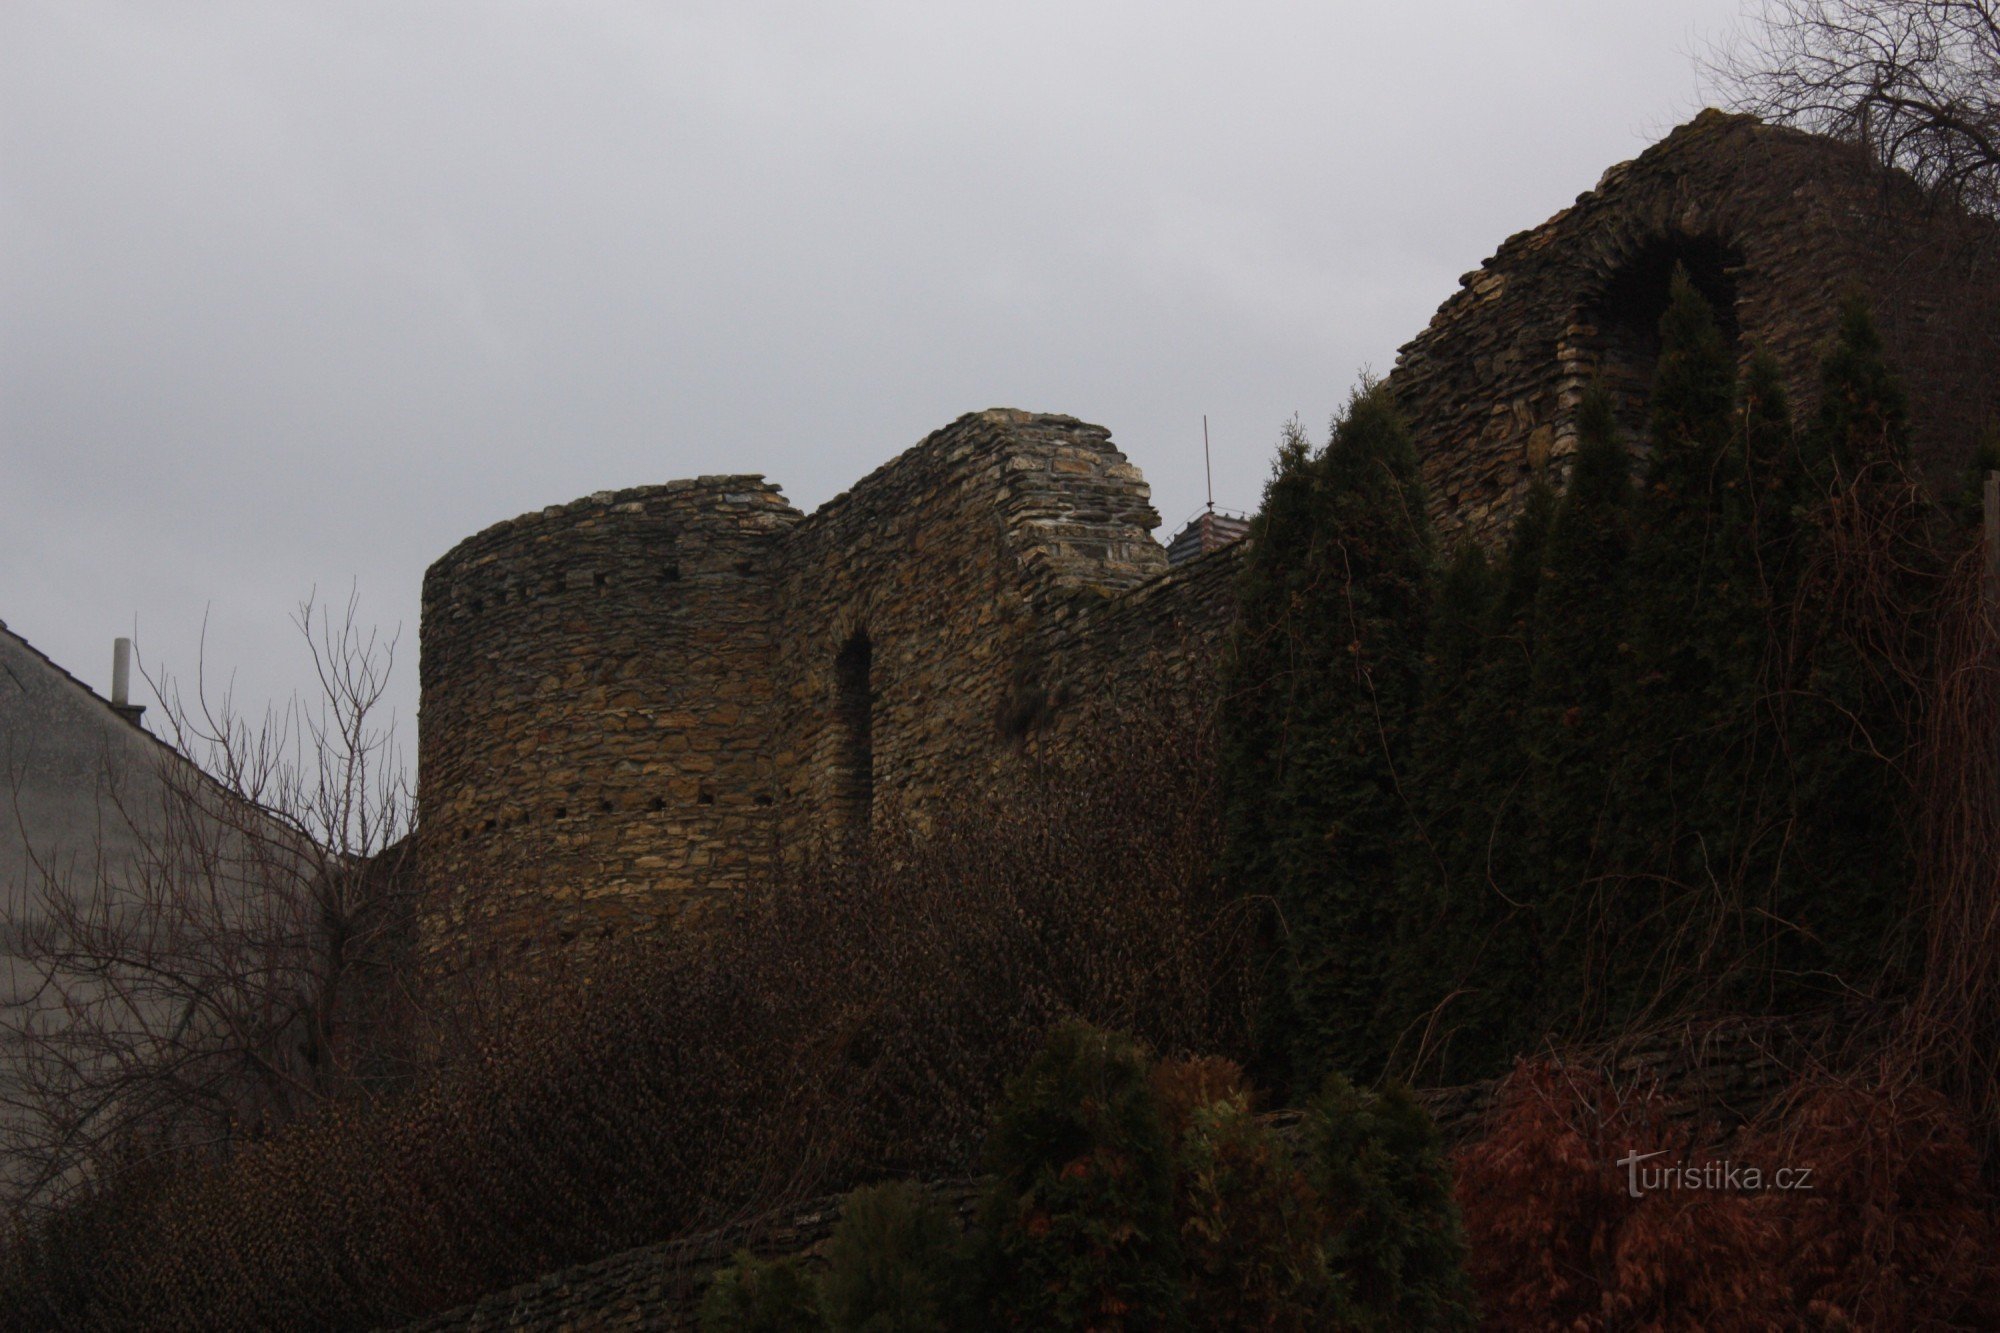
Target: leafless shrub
[(232, 970), (852, 1020), (1951, 1028)]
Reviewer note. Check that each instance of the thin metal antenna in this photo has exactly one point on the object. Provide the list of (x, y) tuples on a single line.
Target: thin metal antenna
[(1207, 467)]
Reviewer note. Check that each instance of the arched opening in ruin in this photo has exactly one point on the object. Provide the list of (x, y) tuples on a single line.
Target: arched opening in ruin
[(854, 725), (1625, 314)]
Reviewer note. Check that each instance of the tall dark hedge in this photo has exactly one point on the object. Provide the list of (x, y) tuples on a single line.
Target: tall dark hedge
[(1579, 662), (1861, 619), (1398, 1247), (1462, 875), (1318, 703), (1681, 811), (1648, 760), (1450, 832)]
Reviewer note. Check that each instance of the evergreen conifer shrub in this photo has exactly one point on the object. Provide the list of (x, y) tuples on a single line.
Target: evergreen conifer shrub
[(1579, 659), (894, 1264), (1468, 949), (1252, 1233), (1684, 810), (1864, 616), (1441, 766), (1318, 703), (1079, 1230), (1397, 1251), (1676, 777), (762, 1296)]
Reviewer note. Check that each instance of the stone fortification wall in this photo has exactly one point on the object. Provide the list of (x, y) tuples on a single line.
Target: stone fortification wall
[(595, 744), (1154, 651), (1774, 226), (918, 602), (634, 703)]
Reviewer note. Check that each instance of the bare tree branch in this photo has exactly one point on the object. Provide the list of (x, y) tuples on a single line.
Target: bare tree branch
[(1916, 82), (242, 965)]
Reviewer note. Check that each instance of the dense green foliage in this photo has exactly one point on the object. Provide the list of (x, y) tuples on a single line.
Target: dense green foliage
[(1079, 1230), (1130, 1194), (894, 1264), (1319, 697), (1568, 754), (762, 1296), (1252, 1232), (1396, 1248), (1652, 756)]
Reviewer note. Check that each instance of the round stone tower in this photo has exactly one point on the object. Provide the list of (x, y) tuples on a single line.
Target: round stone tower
[(593, 746)]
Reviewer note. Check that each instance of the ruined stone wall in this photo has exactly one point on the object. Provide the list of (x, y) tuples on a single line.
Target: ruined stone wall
[(595, 742), (952, 562), (1774, 226), (603, 741), (1153, 653), (634, 703)]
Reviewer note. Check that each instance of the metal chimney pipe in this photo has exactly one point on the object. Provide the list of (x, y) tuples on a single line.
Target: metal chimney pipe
[(121, 673)]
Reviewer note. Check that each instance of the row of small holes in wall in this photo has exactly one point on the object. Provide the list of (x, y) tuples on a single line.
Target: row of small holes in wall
[(557, 584), (706, 796)]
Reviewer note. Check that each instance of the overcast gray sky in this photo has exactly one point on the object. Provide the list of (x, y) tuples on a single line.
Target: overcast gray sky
[(301, 295)]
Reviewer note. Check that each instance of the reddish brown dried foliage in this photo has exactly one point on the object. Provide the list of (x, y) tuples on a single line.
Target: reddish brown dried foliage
[(1251, 1227), (1895, 1231)]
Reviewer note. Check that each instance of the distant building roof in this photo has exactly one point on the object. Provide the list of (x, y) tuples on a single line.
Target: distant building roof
[(1207, 531)]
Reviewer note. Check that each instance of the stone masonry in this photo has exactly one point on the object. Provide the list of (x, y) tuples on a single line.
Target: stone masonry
[(634, 704), (637, 704), (595, 679), (1775, 227)]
